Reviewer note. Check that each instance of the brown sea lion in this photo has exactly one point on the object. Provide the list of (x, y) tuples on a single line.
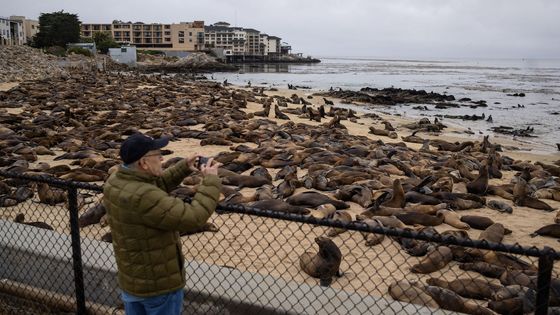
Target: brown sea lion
[(479, 186), (548, 193), (511, 306), (342, 216), (20, 218), (477, 222), (484, 268), (278, 205), (22, 193), (434, 260), (416, 197), (323, 211), (383, 132), (508, 292), (398, 199), (521, 198), (493, 233), (323, 265), (261, 172), (499, 191), (373, 239), (500, 206), (412, 218), (314, 199), (453, 219), (518, 277), (469, 288), (407, 292), (107, 237), (451, 301), (206, 227), (242, 181), (264, 193), (92, 215), (551, 230), (50, 196), (426, 209)]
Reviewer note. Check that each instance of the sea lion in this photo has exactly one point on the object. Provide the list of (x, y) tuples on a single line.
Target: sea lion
[(521, 198), (484, 268), (357, 193), (511, 306), (451, 301), (279, 114), (264, 193), (548, 193), (477, 222), (50, 196), (453, 219), (261, 172), (493, 233), (92, 215), (287, 187), (499, 191), (206, 227), (500, 206), (373, 239), (398, 199), (342, 216), (323, 265), (551, 230), (469, 288), (412, 218), (416, 197), (323, 211), (278, 205), (242, 181), (434, 260), (314, 199), (22, 193), (508, 292), (20, 218), (407, 292), (426, 209), (479, 186)]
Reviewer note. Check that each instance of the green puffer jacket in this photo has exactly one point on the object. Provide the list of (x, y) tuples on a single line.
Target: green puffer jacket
[(145, 223)]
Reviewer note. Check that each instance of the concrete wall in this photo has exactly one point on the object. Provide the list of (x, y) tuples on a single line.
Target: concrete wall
[(43, 259)]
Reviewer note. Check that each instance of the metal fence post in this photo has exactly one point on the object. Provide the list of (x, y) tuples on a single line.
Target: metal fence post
[(546, 262), (76, 250)]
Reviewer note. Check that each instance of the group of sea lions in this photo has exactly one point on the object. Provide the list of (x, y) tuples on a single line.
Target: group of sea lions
[(315, 170)]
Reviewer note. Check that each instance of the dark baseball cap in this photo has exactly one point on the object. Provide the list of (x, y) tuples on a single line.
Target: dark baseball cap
[(137, 145)]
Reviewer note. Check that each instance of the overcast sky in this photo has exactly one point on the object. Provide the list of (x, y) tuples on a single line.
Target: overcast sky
[(386, 29)]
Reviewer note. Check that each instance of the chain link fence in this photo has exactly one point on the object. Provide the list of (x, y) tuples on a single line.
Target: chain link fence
[(56, 256)]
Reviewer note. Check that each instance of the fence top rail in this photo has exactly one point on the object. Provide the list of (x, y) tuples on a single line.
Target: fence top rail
[(355, 226), (54, 181)]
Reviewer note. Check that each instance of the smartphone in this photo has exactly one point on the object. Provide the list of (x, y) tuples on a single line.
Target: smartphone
[(202, 160)]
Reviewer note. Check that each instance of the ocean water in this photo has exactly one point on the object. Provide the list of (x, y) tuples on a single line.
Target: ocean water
[(490, 80)]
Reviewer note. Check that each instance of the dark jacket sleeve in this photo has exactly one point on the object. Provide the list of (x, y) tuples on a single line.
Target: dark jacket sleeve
[(173, 176), (161, 211)]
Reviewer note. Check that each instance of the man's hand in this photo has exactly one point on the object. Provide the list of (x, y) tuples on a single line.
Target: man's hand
[(210, 168)]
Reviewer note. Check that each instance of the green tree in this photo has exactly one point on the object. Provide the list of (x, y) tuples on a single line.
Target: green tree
[(57, 29), (104, 41)]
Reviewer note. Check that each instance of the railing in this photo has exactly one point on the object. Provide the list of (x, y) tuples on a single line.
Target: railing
[(253, 262)]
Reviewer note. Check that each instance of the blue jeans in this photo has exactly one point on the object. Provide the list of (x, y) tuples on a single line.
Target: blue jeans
[(166, 304)]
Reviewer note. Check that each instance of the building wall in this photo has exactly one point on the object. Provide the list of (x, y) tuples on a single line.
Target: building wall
[(126, 55), (187, 36), (31, 28), (153, 36), (5, 35)]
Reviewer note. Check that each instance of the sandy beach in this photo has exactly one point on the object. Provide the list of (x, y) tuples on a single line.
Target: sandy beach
[(273, 247)]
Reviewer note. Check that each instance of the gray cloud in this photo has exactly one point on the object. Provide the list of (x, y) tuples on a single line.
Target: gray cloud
[(393, 29)]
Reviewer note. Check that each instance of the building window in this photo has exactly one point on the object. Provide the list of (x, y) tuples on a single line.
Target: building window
[(167, 33), (181, 34), (190, 40), (181, 40), (123, 50), (190, 33), (167, 27), (168, 39)]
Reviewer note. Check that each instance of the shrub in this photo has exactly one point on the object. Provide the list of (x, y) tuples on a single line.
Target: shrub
[(56, 50), (79, 51)]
